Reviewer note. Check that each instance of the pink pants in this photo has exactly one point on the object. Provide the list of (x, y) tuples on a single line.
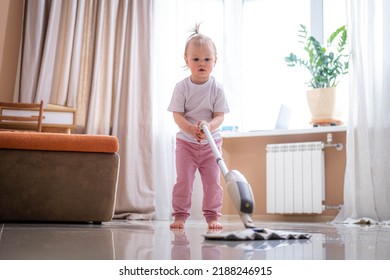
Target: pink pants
[(189, 158)]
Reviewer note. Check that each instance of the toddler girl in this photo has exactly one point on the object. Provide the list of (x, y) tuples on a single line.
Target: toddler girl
[(198, 99)]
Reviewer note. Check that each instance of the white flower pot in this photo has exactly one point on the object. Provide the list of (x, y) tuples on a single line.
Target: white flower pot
[(323, 105)]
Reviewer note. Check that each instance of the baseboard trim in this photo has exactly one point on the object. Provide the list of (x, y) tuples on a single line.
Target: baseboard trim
[(282, 218)]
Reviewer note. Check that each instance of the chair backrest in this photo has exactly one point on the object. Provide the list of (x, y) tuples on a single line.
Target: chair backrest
[(21, 116)]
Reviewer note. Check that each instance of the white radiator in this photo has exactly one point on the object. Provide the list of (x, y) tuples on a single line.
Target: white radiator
[(295, 178)]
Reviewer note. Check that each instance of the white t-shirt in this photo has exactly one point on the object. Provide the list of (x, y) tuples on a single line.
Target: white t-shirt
[(198, 102)]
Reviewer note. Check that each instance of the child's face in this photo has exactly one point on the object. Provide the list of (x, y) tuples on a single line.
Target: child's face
[(201, 60)]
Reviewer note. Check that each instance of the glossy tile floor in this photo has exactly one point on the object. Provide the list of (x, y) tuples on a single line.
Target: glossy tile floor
[(153, 240)]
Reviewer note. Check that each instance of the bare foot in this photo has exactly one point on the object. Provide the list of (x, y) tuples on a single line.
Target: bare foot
[(215, 225), (177, 224)]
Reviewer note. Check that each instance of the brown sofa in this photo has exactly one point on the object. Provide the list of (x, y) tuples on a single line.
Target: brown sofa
[(55, 177)]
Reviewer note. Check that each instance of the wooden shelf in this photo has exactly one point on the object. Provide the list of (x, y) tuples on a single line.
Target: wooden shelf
[(56, 118)]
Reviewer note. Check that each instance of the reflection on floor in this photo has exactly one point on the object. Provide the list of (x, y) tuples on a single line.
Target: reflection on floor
[(153, 240)]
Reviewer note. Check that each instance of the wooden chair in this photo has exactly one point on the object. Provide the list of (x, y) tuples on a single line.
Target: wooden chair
[(21, 116)]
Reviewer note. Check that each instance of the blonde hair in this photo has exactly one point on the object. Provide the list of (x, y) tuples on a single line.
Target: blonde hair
[(199, 39)]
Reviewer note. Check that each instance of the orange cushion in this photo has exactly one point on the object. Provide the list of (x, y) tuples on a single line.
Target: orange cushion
[(58, 142)]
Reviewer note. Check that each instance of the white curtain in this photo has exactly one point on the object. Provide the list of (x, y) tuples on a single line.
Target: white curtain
[(95, 55), (367, 188)]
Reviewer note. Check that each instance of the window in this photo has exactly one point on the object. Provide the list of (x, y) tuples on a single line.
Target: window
[(270, 31), (252, 38), (270, 34)]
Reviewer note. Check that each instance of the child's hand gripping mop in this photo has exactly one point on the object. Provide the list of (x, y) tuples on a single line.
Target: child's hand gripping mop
[(238, 187)]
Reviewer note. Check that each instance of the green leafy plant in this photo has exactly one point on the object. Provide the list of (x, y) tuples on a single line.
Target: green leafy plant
[(326, 67)]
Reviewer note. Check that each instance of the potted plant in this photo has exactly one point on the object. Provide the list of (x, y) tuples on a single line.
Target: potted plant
[(326, 66)]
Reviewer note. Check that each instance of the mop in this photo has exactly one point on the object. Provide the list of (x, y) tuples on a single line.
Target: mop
[(241, 195)]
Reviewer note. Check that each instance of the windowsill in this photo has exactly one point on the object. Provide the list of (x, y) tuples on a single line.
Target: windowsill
[(276, 132)]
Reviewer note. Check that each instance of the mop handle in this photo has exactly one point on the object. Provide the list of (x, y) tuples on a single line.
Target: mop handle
[(214, 148)]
